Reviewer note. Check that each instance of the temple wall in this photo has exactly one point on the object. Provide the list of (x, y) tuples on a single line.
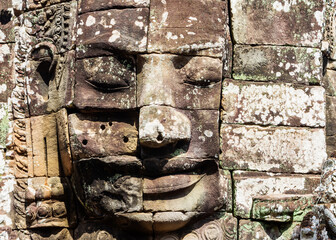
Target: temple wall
[(269, 122)]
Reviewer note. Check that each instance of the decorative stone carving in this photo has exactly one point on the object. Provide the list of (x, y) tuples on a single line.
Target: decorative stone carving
[(125, 113)]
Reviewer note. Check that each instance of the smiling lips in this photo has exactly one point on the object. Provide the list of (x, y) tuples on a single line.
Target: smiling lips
[(170, 183)]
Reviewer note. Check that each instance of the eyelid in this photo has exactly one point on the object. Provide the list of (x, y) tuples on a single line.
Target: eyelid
[(202, 77), (114, 84)]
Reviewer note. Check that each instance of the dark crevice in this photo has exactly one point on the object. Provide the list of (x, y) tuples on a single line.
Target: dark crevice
[(5, 16)]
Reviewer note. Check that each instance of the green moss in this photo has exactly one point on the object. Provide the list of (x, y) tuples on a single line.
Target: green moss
[(4, 125)]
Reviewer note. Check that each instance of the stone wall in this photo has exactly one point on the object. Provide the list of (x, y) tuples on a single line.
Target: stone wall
[(264, 114)]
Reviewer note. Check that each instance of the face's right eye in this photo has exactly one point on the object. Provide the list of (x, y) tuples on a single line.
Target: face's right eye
[(106, 74)]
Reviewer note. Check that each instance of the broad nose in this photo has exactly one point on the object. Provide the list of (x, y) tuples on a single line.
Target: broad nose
[(162, 125)]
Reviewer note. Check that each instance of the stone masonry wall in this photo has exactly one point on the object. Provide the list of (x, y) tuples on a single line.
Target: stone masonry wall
[(274, 128)]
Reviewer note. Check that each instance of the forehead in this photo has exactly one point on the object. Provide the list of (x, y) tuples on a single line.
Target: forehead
[(178, 27)]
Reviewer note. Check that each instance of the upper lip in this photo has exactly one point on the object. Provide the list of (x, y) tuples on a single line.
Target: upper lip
[(170, 183)]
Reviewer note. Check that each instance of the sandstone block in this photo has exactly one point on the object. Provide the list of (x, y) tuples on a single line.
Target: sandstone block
[(45, 146), (281, 22), (92, 230), (202, 146), (207, 194), (273, 104), (189, 27), (55, 23), (109, 185), (174, 127), (6, 4), (329, 82), (4, 125), (100, 136), (276, 149), (64, 141), (331, 143), (50, 80), (22, 145), (179, 81), (103, 32), (6, 70), (278, 63), (91, 5), (6, 22), (42, 234), (282, 208), (106, 83), (43, 202), (31, 4), (252, 185), (253, 230), (331, 116)]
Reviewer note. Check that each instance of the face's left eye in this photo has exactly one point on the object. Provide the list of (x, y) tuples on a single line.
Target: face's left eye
[(202, 72)]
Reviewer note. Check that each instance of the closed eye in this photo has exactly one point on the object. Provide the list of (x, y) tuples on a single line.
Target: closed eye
[(107, 83)]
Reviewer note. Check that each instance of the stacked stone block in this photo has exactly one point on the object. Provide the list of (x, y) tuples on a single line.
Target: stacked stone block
[(6, 86), (273, 115), (237, 86)]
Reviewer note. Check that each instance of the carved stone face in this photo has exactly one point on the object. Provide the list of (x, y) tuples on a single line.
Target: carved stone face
[(144, 122), (149, 153)]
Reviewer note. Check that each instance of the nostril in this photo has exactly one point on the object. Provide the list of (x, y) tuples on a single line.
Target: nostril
[(102, 127), (159, 137)]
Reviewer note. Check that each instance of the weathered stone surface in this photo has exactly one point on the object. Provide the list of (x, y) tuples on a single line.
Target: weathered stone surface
[(50, 80), (106, 82), (43, 202), (277, 22), (6, 71), (273, 104), (108, 186), (331, 116), (90, 230), (329, 82), (91, 5), (22, 145), (100, 136), (331, 143), (6, 197), (319, 223), (34, 4), (104, 32), (203, 144), (45, 146), (64, 141), (6, 4), (6, 22), (4, 125), (326, 189), (42, 234), (329, 38), (282, 208), (279, 149), (249, 185), (207, 194), (253, 230), (173, 127), (189, 27), (216, 227), (179, 81), (278, 63), (54, 24)]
